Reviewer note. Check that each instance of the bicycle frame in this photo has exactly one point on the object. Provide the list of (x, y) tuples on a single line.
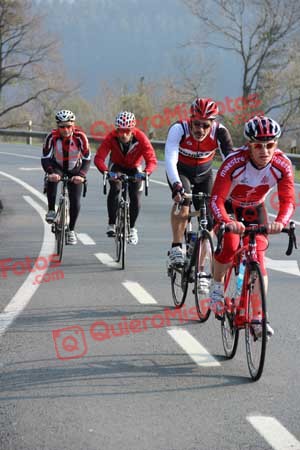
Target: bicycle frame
[(191, 272), (249, 250), (123, 214), (61, 222), (201, 215)]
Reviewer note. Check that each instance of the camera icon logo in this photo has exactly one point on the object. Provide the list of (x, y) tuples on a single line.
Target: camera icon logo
[(69, 342)]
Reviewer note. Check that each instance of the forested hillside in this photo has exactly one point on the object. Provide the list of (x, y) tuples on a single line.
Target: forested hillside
[(121, 39)]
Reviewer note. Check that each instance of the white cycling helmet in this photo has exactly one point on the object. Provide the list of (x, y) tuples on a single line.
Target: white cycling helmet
[(125, 119), (65, 116), (261, 129)]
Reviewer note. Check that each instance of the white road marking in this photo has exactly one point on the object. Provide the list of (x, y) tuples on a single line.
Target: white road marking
[(31, 168), (26, 186), (24, 294), (159, 182), (22, 156), (86, 239), (274, 433), (283, 265), (183, 338), (138, 292), (106, 259), (193, 348)]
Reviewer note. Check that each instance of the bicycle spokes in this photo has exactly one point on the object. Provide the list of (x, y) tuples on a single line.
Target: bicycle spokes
[(255, 329), (229, 329), (179, 286)]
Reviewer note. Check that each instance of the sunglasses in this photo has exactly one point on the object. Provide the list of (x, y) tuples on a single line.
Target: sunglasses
[(65, 126), (261, 145), (124, 130), (203, 125)]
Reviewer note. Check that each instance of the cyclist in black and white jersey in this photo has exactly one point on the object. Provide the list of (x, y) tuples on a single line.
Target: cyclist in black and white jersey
[(190, 148)]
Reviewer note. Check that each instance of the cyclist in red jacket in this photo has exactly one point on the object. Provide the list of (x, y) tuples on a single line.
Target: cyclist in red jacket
[(66, 151), (126, 146), (241, 186)]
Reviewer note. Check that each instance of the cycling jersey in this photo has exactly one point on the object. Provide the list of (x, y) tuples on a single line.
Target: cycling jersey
[(70, 155), (182, 148), (245, 185), (129, 157)]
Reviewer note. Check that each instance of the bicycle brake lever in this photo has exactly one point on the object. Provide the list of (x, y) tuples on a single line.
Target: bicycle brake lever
[(84, 188), (220, 235), (292, 239)]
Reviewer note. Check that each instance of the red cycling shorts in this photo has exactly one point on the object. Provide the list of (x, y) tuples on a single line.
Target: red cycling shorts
[(231, 243)]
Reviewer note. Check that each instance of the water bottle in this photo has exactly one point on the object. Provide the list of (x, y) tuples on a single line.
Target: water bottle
[(240, 278), (193, 237)]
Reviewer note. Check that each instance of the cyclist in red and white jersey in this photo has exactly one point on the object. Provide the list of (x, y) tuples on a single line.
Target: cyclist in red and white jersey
[(240, 189), (66, 151), (126, 146), (190, 148)]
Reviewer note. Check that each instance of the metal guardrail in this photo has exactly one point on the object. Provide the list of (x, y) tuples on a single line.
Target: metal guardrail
[(42, 134), (158, 145)]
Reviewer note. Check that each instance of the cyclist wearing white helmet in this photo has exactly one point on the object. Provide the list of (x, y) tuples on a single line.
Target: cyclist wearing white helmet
[(127, 147), (66, 150), (241, 186)]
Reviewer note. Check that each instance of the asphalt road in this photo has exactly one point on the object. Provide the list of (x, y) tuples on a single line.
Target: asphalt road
[(96, 384)]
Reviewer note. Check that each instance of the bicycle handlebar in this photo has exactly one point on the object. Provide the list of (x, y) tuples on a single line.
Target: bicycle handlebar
[(125, 179), (65, 179), (189, 196), (258, 229)]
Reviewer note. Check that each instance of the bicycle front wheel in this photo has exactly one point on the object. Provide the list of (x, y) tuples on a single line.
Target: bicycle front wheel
[(203, 275), (125, 235), (256, 321), (118, 236), (179, 286), (229, 332), (60, 231)]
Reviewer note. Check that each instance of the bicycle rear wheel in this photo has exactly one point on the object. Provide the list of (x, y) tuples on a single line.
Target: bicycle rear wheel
[(60, 230), (230, 333), (118, 236), (203, 275), (256, 321), (179, 286)]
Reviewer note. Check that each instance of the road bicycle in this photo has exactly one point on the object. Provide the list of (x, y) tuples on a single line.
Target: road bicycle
[(198, 264), (60, 225), (123, 214), (245, 300)]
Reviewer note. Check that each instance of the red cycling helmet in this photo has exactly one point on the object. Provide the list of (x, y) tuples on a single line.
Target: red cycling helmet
[(262, 129), (204, 108)]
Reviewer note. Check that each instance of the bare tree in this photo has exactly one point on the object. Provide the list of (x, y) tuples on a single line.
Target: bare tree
[(26, 56), (262, 33)]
